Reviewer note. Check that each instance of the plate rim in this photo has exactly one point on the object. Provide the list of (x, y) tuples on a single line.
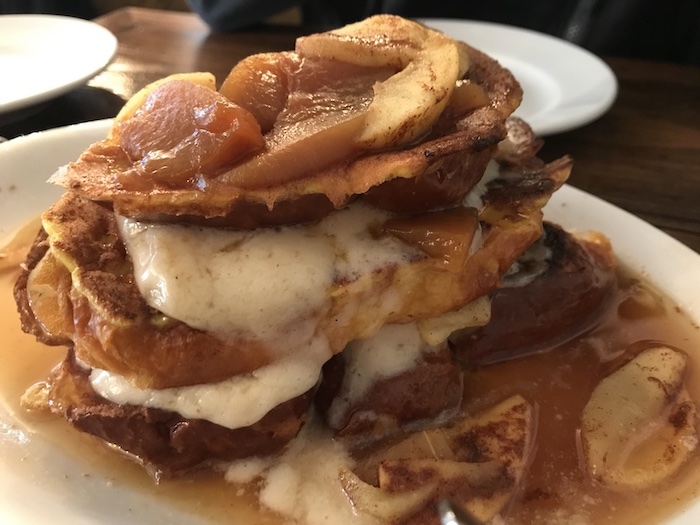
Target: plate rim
[(557, 123), (102, 40)]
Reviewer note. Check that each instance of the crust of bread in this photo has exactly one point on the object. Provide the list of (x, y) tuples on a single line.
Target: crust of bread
[(444, 166), (114, 328), (164, 442), (556, 306)]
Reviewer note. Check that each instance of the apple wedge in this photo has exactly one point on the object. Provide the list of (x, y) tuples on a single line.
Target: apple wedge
[(134, 103), (406, 105), (640, 425), (477, 463)]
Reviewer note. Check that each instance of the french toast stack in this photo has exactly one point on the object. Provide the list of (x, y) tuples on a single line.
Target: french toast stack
[(361, 197)]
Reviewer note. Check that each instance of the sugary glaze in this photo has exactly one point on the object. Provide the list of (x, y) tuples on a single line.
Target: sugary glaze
[(559, 381)]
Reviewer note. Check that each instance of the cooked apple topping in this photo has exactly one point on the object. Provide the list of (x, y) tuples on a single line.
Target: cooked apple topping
[(48, 287), (435, 330), (324, 109), (184, 128), (476, 463), (447, 235), (134, 103), (640, 425), (385, 108), (407, 104), (380, 83), (467, 95), (259, 84)]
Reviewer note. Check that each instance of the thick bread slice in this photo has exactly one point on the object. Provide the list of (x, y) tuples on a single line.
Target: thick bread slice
[(546, 302), (430, 389), (116, 330), (452, 159), (164, 442)]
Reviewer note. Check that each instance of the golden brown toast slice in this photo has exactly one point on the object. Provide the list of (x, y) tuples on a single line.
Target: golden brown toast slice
[(166, 443), (443, 167), (115, 329)]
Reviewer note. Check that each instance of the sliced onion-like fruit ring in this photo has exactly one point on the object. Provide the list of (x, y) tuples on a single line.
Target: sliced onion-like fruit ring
[(319, 130)]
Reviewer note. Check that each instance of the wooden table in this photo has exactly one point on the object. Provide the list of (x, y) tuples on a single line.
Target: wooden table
[(643, 155)]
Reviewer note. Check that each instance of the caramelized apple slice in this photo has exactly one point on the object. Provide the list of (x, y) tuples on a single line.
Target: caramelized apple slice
[(435, 330), (482, 489), (134, 103), (407, 104), (387, 506), (445, 234), (184, 128), (434, 443), (47, 290), (325, 110), (289, 159), (379, 40), (467, 95), (639, 426), (477, 464), (259, 83)]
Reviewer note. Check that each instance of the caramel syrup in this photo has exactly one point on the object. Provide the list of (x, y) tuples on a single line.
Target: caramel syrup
[(559, 381)]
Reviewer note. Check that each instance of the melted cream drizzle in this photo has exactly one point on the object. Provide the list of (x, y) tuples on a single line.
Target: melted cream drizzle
[(394, 349), (237, 402), (270, 284), (303, 484), (263, 284)]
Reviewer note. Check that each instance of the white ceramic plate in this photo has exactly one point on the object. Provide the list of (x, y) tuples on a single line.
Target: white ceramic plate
[(565, 86), (42, 56), (26, 162)]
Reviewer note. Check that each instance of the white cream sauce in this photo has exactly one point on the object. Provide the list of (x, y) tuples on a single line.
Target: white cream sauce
[(394, 349), (234, 403), (269, 284), (303, 484), (264, 283)]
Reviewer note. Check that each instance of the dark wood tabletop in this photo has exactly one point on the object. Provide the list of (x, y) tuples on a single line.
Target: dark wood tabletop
[(643, 155)]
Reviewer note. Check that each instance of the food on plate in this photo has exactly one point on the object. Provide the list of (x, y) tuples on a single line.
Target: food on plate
[(293, 277), (315, 157), (476, 462), (663, 408), (555, 290)]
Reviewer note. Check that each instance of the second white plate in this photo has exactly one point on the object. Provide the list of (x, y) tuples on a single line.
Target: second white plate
[(564, 86), (42, 56)]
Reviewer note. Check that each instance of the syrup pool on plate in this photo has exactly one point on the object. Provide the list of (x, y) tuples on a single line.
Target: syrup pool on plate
[(559, 382)]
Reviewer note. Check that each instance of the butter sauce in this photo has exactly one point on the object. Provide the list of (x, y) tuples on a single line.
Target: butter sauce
[(265, 284), (233, 403)]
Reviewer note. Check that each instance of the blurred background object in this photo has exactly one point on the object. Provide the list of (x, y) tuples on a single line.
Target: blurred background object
[(84, 8), (646, 29)]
